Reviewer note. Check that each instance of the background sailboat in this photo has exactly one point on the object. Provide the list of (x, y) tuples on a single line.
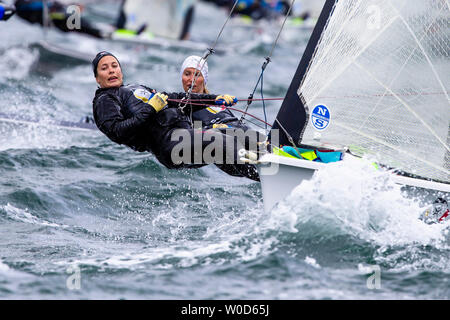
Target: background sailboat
[(380, 70), (136, 26), (161, 18), (157, 22)]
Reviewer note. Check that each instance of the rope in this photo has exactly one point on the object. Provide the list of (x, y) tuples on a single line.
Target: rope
[(239, 100), (264, 66), (209, 52), (328, 97), (291, 140), (231, 108), (45, 18), (264, 103)]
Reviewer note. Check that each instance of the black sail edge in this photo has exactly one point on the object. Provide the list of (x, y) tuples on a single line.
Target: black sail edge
[(292, 114)]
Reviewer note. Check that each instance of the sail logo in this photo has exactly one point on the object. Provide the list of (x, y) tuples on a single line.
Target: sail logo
[(320, 117)]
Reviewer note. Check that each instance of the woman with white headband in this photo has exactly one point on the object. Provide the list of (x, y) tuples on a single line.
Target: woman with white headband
[(195, 68), (194, 78)]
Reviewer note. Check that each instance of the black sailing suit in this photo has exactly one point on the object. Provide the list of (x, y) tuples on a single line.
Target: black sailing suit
[(125, 117), (211, 117)]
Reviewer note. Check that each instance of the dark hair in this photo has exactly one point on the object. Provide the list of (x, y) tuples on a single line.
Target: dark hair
[(98, 57)]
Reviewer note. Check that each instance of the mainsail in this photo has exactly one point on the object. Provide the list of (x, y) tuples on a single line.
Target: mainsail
[(376, 73), (163, 18)]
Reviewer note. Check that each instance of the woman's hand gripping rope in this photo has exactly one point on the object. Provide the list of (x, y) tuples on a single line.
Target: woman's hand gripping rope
[(158, 101), (226, 100)]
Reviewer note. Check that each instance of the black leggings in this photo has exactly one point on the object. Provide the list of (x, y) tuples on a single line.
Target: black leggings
[(195, 148)]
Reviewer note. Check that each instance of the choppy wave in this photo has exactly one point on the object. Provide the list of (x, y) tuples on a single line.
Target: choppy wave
[(25, 216), (16, 63), (138, 230), (352, 205)]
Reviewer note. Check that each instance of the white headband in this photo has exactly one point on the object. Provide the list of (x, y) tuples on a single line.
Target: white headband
[(198, 63)]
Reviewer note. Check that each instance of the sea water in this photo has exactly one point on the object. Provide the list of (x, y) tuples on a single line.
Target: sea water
[(84, 218)]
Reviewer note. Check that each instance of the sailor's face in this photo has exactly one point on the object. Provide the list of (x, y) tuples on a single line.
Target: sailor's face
[(109, 73), (188, 76)]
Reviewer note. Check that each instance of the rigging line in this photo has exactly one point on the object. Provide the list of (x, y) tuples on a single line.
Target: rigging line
[(239, 100), (394, 79), (405, 105), (250, 97), (352, 60), (206, 56), (45, 18), (72, 126), (375, 139), (408, 94), (423, 50), (282, 27), (234, 109), (337, 34), (268, 60), (290, 139), (256, 124), (251, 115), (264, 104), (226, 21)]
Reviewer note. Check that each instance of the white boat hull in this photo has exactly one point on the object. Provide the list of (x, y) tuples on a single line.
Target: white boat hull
[(280, 175)]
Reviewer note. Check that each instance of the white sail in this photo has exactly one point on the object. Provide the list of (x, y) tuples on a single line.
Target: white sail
[(163, 18), (382, 67)]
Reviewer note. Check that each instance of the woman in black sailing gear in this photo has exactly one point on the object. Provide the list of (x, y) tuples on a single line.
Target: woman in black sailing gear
[(145, 120), (217, 118), (58, 16)]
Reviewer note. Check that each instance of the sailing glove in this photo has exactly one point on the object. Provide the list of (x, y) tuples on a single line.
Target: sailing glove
[(226, 100), (158, 101)]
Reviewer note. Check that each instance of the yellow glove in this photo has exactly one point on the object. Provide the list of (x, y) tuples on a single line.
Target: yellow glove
[(158, 101), (226, 100), (220, 126)]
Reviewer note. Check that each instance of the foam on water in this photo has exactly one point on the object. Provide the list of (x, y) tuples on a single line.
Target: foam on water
[(182, 254), (15, 63), (180, 236), (8, 275), (42, 135), (312, 262), (352, 203), (26, 217), (355, 199)]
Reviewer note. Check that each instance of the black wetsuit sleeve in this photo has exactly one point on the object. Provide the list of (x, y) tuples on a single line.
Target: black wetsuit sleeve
[(206, 100), (112, 122)]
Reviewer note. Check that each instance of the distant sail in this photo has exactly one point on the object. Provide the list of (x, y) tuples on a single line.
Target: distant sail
[(380, 69), (311, 8), (163, 18)]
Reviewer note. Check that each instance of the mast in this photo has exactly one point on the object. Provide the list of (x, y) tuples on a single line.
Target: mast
[(293, 115)]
